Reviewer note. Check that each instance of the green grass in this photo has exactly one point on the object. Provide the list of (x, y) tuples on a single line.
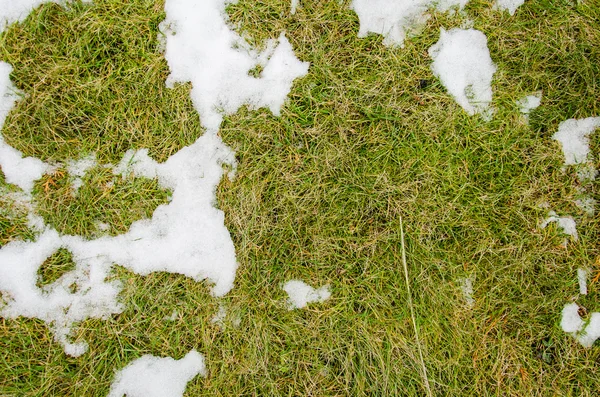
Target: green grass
[(367, 136)]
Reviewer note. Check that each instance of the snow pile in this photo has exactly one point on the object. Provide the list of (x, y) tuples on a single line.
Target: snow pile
[(530, 102), (150, 376), (565, 223), (395, 19), (572, 323), (185, 236), (300, 294), (19, 171), (78, 168), (202, 49), (461, 60), (509, 5)]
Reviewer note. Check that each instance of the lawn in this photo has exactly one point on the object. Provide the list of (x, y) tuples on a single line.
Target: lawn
[(368, 140)]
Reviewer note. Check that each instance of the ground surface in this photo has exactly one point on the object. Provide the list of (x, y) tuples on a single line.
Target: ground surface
[(367, 136)]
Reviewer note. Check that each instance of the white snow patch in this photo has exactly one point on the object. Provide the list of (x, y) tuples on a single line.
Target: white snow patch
[(582, 280), (202, 49), (300, 294), (18, 170), (572, 323), (509, 5), (461, 60), (466, 285), (530, 102), (565, 223), (78, 168), (587, 205), (150, 376), (294, 6), (395, 19), (573, 135)]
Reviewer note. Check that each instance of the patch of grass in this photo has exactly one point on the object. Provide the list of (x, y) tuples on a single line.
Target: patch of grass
[(105, 203), (367, 136), (54, 267), (90, 74)]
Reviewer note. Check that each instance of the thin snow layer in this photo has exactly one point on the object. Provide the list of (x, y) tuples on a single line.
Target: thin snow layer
[(572, 323), (582, 280), (18, 170), (150, 376), (466, 285), (300, 294), (395, 19), (78, 168), (574, 135), (509, 5), (530, 102), (203, 50), (565, 223), (461, 60)]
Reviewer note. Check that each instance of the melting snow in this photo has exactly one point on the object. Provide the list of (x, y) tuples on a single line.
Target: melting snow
[(461, 60), (185, 236), (466, 285), (395, 19), (150, 376), (573, 135), (17, 170), (78, 168), (509, 5), (565, 223), (203, 50), (300, 294), (582, 280), (530, 102), (572, 323), (294, 6)]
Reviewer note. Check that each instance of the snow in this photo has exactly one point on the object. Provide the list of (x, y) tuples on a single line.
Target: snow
[(395, 19), (462, 62), (78, 168), (294, 6), (509, 5), (466, 285), (17, 10), (150, 376), (565, 223), (530, 102), (573, 135), (572, 323), (186, 236), (582, 280), (203, 50), (18, 170), (300, 294)]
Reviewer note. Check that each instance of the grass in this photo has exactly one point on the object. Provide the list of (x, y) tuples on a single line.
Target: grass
[(367, 137)]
